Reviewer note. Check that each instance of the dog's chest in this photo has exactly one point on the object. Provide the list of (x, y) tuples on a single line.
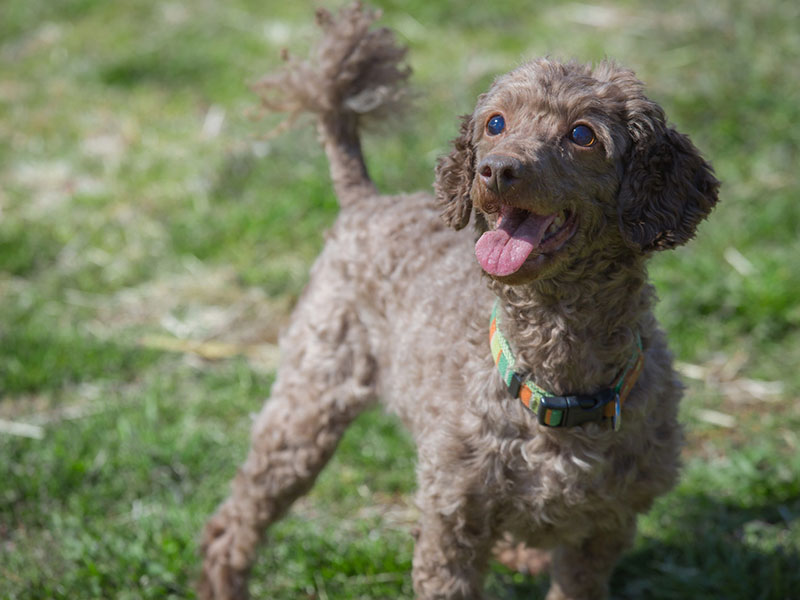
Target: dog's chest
[(555, 489)]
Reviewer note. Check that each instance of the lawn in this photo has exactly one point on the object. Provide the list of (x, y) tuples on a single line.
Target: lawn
[(153, 241)]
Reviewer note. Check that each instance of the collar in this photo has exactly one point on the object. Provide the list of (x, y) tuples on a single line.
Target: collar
[(564, 411)]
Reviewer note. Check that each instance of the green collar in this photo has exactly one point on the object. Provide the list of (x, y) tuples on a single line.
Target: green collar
[(564, 411)]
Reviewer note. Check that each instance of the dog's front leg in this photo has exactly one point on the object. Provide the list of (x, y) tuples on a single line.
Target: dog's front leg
[(455, 535), (582, 571), (449, 558)]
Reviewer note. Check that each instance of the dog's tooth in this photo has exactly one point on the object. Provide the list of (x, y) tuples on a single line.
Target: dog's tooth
[(556, 224)]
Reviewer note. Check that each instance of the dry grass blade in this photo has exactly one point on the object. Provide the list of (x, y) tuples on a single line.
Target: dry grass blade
[(21, 429), (265, 356), (714, 417), (724, 376)]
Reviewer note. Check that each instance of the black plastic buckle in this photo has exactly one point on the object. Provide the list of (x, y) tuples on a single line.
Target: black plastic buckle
[(515, 385), (576, 410)]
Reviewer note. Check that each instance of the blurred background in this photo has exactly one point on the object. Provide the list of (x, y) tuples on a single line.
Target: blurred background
[(153, 241)]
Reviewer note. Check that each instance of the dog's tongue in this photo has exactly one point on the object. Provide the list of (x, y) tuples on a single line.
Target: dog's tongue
[(502, 251)]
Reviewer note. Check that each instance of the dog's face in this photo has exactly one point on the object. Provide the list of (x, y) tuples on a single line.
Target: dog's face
[(560, 161)]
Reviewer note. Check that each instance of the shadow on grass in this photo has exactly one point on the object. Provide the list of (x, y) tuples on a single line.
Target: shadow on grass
[(708, 549), (716, 549)]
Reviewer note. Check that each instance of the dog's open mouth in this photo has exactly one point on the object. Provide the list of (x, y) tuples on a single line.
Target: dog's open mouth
[(518, 235)]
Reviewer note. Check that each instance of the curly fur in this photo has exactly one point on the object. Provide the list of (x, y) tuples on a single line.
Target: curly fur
[(397, 308)]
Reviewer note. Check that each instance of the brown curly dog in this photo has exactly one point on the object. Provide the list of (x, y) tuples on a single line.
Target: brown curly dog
[(555, 434)]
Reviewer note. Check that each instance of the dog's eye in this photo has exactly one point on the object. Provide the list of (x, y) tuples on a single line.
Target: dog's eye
[(582, 135), (496, 125)]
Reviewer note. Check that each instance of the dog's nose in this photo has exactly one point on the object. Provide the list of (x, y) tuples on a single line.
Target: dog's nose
[(500, 172)]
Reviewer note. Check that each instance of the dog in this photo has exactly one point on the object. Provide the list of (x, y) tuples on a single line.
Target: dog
[(521, 353)]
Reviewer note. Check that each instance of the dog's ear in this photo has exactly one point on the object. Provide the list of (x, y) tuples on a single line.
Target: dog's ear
[(454, 175), (667, 188)]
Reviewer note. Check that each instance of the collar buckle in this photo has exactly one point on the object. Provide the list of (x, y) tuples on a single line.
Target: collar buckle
[(569, 411)]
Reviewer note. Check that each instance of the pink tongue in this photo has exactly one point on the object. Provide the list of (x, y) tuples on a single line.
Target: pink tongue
[(502, 251)]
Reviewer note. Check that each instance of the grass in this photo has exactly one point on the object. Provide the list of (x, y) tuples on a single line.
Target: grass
[(151, 242)]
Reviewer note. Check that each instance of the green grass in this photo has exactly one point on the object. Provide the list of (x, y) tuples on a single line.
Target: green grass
[(130, 226)]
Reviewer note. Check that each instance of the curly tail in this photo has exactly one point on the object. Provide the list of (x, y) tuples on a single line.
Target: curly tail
[(353, 73)]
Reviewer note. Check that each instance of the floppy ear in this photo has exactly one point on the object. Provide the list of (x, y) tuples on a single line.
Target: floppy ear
[(667, 187), (454, 174)]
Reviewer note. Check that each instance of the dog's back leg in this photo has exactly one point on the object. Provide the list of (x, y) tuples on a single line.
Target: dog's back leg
[(520, 557), (327, 377)]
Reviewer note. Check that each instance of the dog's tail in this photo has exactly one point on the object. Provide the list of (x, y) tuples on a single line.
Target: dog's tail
[(354, 73)]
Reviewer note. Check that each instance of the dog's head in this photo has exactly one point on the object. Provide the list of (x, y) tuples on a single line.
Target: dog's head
[(560, 161)]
